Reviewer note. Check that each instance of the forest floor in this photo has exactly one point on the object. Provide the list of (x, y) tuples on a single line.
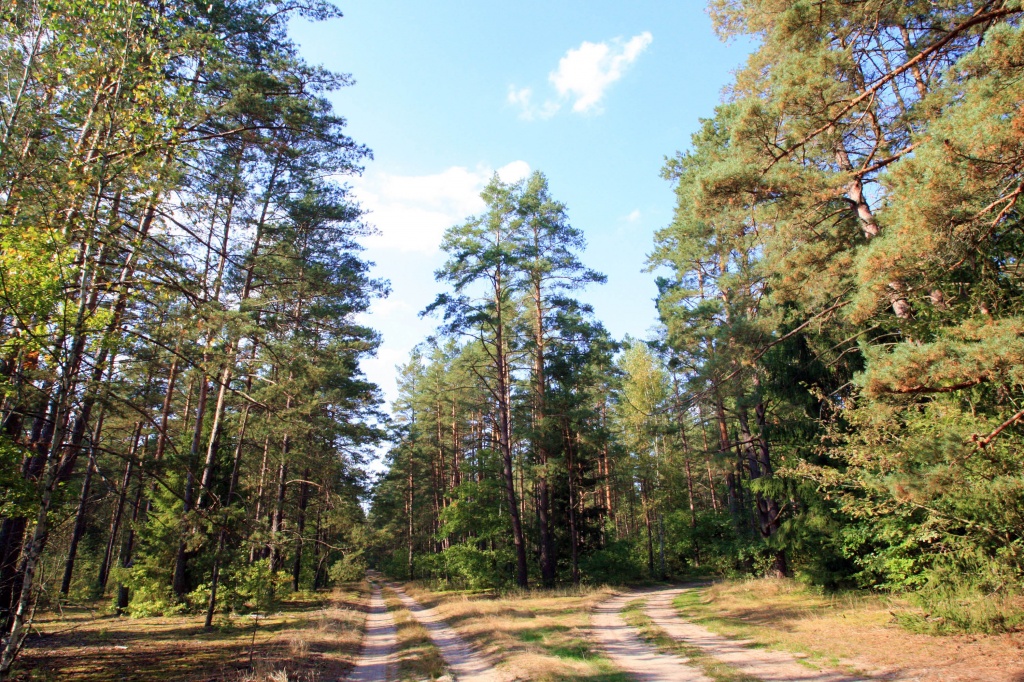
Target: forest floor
[(314, 637), (728, 631), (857, 633), (722, 632), (539, 635)]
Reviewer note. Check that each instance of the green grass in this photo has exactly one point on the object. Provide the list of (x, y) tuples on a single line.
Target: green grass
[(799, 602), (555, 641)]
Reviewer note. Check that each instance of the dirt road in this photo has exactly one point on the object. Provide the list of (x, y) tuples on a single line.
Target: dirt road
[(464, 662), (633, 655), (765, 665), (376, 658)]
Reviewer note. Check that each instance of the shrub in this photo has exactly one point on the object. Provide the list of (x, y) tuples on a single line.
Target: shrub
[(617, 562), (148, 594), (252, 587), (350, 568)]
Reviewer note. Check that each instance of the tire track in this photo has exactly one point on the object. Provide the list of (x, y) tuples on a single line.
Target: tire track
[(626, 650), (465, 663), (769, 666), (376, 658)]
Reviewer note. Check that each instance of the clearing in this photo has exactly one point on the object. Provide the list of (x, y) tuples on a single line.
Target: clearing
[(766, 630), (313, 638), (756, 630), (856, 632)]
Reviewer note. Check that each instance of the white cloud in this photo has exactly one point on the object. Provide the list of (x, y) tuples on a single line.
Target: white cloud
[(633, 216), (583, 75), (528, 111), (413, 211), (383, 307), (586, 72), (520, 96), (513, 172), (380, 369)]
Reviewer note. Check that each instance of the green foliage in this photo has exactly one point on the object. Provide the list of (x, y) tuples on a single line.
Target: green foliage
[(474, 568), (181, 281), (253, 588), (862, 300), (150, 596), (350, 568), (619, 562), (17, 495), (951, 604)]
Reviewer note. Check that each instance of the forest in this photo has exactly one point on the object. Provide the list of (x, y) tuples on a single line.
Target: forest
[(832, 394)]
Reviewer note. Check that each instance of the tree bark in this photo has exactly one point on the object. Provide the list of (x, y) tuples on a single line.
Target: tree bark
[(83, 501), (505, 436), (278, 512), (115, 519), (300, 527)]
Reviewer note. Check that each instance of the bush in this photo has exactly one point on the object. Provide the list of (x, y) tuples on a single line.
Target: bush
[(615, 563), (976, 595), (148, 594), (252, 587), (350, 568)]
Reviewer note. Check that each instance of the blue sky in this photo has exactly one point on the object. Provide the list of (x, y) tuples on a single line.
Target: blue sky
[(594, 94)]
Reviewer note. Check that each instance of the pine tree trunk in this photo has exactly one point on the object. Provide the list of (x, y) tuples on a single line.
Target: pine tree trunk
[(180, 579), (300, 526), (505, 441), (693, 513), (318, 553), (80, 515), (408, 515), (278, 512), (574, 538), (115, 519), (707, 459), (645, 501), (254, 551)]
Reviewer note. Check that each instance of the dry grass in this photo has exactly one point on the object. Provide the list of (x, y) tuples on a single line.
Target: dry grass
[(418, 658), (655, 636), (313, 638), (850, 629), (539, 635)]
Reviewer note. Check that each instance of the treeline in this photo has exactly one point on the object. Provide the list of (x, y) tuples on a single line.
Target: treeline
[(182, 411), (835, 392)]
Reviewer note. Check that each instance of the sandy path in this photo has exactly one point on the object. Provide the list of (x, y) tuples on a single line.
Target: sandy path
[(629, 652), (377, 655), (770, 666), (465, 664)]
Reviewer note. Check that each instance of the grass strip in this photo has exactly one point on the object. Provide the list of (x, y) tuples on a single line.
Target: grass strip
[(540, 635), (693, 608), (418, 657), (634, 615)]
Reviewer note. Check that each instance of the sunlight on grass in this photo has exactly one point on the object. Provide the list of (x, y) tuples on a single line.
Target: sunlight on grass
[(655, 636), (418, 658), (789, 616), (540, 635), (311, 637)]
